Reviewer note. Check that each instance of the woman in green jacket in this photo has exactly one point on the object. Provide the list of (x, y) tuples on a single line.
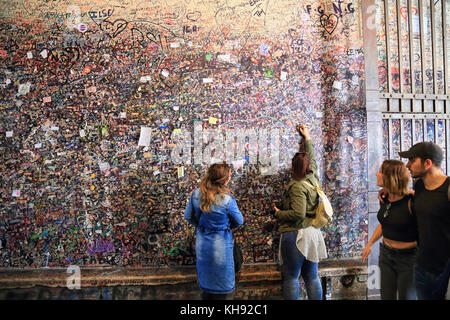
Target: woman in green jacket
[(301, 245)]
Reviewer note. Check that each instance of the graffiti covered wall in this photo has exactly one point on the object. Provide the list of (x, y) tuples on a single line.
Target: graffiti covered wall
[(111, 111)]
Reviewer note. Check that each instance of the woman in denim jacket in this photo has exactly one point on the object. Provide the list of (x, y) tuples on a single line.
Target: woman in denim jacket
[(214, 213)]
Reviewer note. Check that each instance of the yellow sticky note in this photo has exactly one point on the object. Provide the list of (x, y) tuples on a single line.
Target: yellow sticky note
[(177, 130), (180, 172), (212, 120)]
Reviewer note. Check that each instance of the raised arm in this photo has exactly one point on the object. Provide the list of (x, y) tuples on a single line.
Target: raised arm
[(309, 147)]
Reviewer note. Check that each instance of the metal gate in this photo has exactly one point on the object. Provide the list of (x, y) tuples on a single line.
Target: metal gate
[(413, 74)]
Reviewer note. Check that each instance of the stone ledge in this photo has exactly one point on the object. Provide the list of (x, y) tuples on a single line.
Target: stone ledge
[(120, 276)]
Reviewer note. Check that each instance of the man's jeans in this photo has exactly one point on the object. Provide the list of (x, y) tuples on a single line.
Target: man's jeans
[(430, 286), (294, 263), (397, 273)]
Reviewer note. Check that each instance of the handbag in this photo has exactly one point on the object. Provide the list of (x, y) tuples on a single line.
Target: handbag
[(237, 255)]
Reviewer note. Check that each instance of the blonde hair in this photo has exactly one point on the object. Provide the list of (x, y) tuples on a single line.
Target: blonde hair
[(213, 183), (395, 177)]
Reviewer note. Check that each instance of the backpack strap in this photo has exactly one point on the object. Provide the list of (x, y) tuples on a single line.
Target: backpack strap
[(319, 195), (310, 185), (316, 188)]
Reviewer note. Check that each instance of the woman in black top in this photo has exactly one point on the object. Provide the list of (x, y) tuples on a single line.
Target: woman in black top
[(399, 231)]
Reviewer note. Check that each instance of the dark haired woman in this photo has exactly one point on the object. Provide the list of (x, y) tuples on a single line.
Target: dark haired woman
[(214, 212), (399, 231), (301, 244)]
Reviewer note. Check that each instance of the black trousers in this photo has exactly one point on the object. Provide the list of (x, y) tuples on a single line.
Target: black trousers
[(216, 296), (397, 273)]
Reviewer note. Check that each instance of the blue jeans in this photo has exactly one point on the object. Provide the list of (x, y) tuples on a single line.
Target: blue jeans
[(294, 264), (430, 286)]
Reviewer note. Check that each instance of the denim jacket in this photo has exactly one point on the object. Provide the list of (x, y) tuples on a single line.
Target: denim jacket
[(214, 242), (225, 215)]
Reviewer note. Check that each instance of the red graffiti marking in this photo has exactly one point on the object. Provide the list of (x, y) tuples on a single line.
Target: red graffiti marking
[(404, 12)]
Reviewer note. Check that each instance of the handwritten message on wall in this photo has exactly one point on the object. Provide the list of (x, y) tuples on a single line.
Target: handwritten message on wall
[(111, 111)]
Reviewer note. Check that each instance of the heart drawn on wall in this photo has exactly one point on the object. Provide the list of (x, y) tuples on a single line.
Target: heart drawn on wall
[(193, 16), (113, 29), (329, 22)]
